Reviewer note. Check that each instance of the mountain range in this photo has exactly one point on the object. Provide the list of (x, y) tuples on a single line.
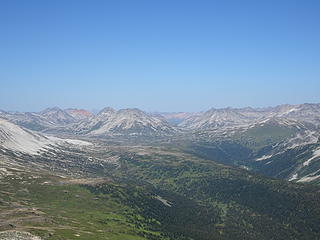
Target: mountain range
[(231, 173), (261, 135), (209, 120)]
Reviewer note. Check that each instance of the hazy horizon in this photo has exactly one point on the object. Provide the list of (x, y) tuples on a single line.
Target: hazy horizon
[(96, 110)]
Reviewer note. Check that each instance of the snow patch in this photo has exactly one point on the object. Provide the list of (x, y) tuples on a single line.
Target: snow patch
[(316, 154), (62, 141), (294, 177), (308, 179), (264, 157)]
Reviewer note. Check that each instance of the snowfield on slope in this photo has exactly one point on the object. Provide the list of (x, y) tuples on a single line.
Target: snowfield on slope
[(15, 138), (316, 154)]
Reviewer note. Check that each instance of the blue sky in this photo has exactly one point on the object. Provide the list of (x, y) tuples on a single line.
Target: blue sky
[(158, 55)]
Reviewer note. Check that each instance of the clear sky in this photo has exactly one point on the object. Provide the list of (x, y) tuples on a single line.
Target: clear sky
[(167, 55)]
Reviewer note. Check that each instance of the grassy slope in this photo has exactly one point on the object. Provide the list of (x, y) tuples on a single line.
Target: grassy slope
[(207, 201), (68, 211), (261, 136)]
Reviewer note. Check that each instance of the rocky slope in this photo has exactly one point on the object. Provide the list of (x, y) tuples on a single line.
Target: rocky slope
[(233, 117), (79, 114), (131, 122), (44, 121)]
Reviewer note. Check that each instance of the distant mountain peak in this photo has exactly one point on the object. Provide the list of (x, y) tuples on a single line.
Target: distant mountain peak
[(51, 109), (106, 110), (130, 121), (131, 111)]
